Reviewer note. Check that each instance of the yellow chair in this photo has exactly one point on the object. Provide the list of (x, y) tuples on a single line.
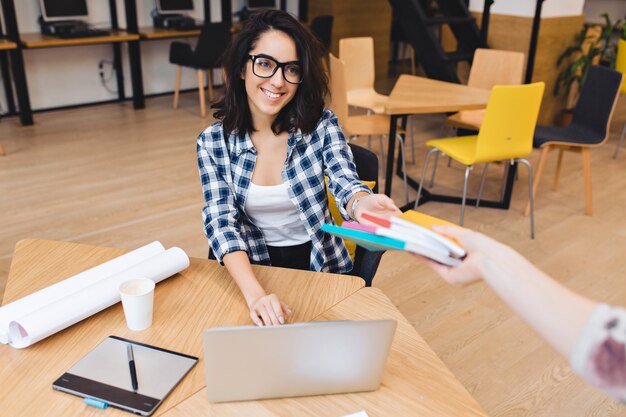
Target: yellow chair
[(620, 65), (490, 67), (505, 134), (361, 125)]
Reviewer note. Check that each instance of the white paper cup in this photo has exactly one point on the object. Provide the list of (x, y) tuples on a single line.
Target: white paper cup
[(137, 299)]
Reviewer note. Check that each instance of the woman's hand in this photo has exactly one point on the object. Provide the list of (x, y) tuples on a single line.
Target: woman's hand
[(268, 310), (377, 204)]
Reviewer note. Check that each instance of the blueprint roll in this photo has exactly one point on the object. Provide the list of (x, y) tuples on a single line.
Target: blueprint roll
[(74, 307), (58, 291)]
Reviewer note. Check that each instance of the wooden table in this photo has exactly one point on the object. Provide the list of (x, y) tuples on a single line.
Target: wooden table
[(6, 44), (37, 40), (152, 33), (416, 382), (419, 95)]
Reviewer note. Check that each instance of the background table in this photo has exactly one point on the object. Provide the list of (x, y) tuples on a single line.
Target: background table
[(418, 95), (151, 33), (416, 382)]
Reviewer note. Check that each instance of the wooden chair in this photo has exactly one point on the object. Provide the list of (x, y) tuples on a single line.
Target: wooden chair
[(506, 134), (358, 57), (490, 67), (361, 125), (212, 43), (589, 127)]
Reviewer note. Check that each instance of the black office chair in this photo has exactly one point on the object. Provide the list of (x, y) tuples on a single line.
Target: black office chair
[(589, 127), (212, 43), (322, 27), (366, 262)]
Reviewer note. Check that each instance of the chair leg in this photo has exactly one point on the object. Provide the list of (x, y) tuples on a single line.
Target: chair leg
[(179, 74), (542, 161), (419, 189), (619, 143), (530, 196), (432, 175), (466, 180), (482, 184), (586, 154), (504, 177), (201, 91), (382, 151), (555, 184), (209, 77)]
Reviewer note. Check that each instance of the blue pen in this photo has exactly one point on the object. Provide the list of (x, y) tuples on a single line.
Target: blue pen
[(95, 403)]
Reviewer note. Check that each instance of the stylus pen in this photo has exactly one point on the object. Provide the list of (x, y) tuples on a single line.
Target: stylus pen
[(131, 366)]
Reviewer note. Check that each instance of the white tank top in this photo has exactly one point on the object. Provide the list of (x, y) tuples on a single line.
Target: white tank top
[(271, 210)]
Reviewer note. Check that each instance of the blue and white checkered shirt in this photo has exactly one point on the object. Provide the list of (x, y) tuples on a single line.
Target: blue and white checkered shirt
[(226, 168)]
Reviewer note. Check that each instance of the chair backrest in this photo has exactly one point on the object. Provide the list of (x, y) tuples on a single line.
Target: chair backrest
[(597, 101), (358, 57), (366, 163), (492, 67), (366, 262), (322, 27), (338, 93), (509, 125), (212, 42), (620, 61)]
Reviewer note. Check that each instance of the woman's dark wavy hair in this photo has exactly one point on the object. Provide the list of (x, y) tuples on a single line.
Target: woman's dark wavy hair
[(305, 108)]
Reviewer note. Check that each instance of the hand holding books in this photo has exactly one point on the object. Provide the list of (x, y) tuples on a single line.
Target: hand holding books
[(410, 231)]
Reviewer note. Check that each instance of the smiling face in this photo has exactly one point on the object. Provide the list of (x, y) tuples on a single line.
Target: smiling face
[(268, 96)]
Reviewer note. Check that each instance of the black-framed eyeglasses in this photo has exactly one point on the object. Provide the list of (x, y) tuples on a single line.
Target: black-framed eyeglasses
[(265, 66)]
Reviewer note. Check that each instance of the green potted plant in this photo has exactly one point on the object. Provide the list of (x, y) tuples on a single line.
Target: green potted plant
[(592, 46)]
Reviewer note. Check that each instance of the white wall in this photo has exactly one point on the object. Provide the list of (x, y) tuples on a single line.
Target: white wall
[(526, 8), (595, 8), (70, 75)]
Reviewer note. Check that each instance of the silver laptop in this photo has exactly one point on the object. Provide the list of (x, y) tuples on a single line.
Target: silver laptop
[(249, 362)]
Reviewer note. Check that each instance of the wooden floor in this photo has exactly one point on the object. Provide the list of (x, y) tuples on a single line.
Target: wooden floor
[(110, 175)]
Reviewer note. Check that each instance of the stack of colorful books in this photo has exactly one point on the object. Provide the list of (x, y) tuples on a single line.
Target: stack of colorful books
[(410, 231)]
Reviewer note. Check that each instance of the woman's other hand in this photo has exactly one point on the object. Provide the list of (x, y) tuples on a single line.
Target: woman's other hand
[(268, 310)]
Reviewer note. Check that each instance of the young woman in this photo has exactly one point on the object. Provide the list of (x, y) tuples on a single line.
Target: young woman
[(262, 165)]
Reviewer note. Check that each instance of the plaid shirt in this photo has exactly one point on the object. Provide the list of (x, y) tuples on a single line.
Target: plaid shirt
[(226, 167)]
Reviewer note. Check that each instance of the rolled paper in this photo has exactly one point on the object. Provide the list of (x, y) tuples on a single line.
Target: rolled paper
[(85, 302), (61, 289)]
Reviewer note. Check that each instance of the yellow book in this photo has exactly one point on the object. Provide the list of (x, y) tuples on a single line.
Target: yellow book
[(415, 222)]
